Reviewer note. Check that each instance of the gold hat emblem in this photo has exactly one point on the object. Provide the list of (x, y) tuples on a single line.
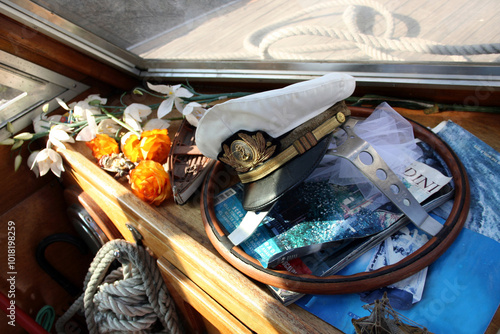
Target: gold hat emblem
[(246, 153)]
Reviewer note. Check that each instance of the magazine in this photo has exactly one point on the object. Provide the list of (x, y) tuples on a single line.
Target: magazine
[(317, 215), (393, 249), (304, 237), (329, 262), (462, 283), (482, 163)]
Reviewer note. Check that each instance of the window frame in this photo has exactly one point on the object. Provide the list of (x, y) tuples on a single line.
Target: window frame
[(61, 87), (435, 74)]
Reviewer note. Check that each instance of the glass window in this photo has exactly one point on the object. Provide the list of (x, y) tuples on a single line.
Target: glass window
[(254, 37), (297, 30), (26, 87), (21, 92), (9, 96)]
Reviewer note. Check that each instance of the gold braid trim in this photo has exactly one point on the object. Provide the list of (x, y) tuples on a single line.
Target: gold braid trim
[(297, 148)]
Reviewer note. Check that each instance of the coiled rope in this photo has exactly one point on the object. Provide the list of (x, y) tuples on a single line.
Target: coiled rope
[(259, 43), (132, 298)]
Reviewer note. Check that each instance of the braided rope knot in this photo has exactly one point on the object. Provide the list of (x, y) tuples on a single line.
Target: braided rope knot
[(132, 298)]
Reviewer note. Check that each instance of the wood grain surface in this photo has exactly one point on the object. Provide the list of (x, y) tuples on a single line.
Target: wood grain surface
[(176, 234)]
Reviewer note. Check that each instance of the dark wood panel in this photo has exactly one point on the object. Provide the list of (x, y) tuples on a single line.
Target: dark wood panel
[(16, 186), (38, 216), (31, 45)]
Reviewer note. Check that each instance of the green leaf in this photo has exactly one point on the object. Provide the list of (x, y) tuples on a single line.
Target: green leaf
[(17, 162), (17, 144), (95, 103), (8, 141), (138, 92), (45, 107), (23, 136)]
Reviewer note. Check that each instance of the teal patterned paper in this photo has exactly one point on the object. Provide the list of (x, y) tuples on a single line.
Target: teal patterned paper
[(314, 215)]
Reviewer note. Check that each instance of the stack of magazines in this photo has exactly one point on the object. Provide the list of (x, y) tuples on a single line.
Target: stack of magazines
[(461, 292), (320, 228)]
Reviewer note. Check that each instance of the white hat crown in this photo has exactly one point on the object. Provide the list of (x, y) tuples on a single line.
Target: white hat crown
[(275, 112)]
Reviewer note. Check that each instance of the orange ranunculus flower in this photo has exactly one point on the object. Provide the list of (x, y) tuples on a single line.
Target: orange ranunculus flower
[(131, 148), (153, 145), (103, 145), (150, 182)]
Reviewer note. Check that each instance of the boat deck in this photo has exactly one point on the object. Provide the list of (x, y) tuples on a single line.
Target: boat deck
[(343, 30)]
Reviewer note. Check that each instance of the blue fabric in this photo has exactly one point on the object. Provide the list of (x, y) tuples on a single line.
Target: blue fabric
[(461, 293), (399, 299)]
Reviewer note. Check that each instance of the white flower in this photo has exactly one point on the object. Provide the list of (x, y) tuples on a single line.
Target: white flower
[(90, 131), (193, 112), (58, 135), (108, 127), (86, 134), (137, 111), (174, 96), (96, 97), (136, 126), (31, 163), (62, 103), (156, 123), (82, 109), (42, 123), (45, 160), (134, 114)]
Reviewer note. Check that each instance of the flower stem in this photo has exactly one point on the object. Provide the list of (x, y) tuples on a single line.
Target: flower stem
[(121, 99), (125, 125), (206, 98), (36, 136)]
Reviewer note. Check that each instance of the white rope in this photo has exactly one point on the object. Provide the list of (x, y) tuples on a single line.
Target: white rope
[(132, 298), (415, 45), (262, 41)]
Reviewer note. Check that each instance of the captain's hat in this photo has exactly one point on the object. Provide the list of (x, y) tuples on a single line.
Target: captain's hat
[(275, 139)]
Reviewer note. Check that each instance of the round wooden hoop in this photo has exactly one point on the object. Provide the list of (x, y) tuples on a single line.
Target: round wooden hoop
[(218, 178)]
